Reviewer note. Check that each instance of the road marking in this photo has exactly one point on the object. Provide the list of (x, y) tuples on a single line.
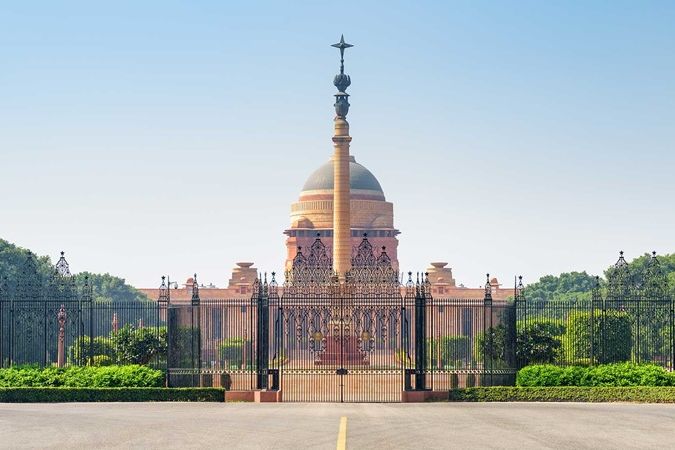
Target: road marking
[(342, 434)]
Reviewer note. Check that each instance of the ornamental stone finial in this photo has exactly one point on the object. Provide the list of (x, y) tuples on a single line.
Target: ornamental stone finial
[(342, 81)]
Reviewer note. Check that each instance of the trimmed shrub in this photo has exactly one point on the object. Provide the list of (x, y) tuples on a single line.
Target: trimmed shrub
[(102, 360), (627, 374), (109, 376), (138, 345), (611, 337), (84, 347), (70, 394), (538, 341), (620, 374), (644, 394)]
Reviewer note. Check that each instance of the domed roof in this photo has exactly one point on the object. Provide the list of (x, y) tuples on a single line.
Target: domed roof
[(360, 178)]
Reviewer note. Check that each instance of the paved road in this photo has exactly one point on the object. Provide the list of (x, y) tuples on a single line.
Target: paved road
[(369, 426)]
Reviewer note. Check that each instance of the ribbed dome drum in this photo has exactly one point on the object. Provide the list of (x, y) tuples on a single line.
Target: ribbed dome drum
[(361, 179)]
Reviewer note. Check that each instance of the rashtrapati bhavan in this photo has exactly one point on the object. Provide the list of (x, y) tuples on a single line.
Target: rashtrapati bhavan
[(313, 216)]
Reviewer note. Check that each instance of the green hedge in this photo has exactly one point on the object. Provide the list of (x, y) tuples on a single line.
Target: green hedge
[(619, 374), (68, 394), (645, 394), (73, 376)]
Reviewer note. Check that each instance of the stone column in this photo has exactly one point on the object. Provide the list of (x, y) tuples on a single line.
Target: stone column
[(342, 241), (115, 323), (61, 350)]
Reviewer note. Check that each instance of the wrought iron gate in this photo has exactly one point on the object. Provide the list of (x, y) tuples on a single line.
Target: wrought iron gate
[(331, 341), (336, 345)]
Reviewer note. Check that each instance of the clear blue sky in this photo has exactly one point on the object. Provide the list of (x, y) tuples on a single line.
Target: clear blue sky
[(171, 137)]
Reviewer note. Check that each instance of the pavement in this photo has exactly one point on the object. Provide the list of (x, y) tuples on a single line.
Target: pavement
[(328, 426)]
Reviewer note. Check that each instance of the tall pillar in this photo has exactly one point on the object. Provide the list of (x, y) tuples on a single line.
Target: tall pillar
[(342, 243)]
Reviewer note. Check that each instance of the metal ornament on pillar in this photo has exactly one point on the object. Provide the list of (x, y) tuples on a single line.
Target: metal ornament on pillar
[(342, 248)]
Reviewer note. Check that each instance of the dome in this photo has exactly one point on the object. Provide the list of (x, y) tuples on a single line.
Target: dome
[(360, 178)]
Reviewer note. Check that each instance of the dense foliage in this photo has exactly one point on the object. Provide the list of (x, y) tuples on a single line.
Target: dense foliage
[(128, 345), (564, 287), (538, 341), (609, 339), (138, 345), (84, 347), (105, 287), (74, 376), (577, 286), (645, 394), (448, 352), (76, 394), (620, 374)]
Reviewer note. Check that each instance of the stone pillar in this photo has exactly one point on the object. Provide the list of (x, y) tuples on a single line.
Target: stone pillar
[(61, 350), (342, 241), (115, 323)]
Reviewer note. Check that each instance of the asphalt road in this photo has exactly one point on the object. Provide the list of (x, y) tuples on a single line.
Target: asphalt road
[(368, 426)]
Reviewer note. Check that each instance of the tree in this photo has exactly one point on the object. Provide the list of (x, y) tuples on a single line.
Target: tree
[(561, 288), (593, 339), (105, 287), (538, 341), (138, 345)]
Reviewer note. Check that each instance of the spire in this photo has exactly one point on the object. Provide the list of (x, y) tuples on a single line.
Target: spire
[(342, 81)]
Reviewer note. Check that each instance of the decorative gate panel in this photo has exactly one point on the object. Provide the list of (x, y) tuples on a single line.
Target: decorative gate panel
[(341, 342), (340, 347)]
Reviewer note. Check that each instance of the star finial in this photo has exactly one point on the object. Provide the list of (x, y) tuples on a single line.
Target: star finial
[(342, 45)]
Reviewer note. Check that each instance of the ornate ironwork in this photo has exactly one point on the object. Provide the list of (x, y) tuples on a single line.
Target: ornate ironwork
[(655, 282), (619, 281), (488, 289), (195, 292), (314, 268), (62, 266), (519, 290), (370, 269), (29, 283), (86, 292), (62, 283), (164, 292)]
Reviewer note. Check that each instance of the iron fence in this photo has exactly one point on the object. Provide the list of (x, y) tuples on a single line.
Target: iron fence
[(321, 340), (629, 319)]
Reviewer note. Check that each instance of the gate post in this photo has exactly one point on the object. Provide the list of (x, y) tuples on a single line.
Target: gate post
[(3, 289), (163, 301), (520, 306), (196, 334), (420, 334), (488, 333), (262, 336)]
